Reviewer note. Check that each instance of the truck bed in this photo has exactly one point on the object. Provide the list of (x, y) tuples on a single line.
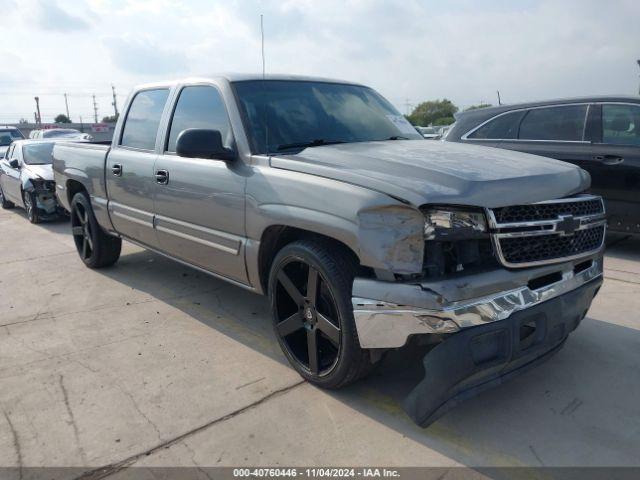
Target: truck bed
[(80, 162)]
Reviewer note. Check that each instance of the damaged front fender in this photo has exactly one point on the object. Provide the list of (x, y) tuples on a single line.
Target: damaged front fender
[(393, 235)]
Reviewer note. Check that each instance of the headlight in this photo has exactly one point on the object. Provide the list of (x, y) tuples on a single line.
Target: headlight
[(450, 224)]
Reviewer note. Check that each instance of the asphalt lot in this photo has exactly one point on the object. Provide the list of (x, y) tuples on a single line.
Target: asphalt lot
[(152, 363)]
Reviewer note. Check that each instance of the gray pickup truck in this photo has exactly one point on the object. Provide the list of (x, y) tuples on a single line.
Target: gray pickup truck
[(319, 194)]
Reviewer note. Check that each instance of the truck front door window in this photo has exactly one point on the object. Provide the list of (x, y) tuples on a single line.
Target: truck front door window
[(143, 119), (199, 106)]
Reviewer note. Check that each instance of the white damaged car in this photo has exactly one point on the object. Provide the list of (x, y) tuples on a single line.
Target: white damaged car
[(26, 179)]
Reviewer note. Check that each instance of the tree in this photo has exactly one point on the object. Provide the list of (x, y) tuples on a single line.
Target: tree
[(110, 119), (480, 105), (443, 121), (428, 112), (62, 118)]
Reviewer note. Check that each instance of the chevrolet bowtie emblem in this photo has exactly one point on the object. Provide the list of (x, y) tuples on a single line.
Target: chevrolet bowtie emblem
[(567, 225)]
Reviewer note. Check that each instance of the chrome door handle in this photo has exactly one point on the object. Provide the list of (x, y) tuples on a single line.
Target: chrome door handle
[(162, 177), (116, 169)]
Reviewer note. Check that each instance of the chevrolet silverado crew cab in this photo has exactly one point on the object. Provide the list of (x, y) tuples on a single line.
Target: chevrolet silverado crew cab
[(365, 236)]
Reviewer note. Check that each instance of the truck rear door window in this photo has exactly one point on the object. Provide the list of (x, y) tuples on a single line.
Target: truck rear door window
[(565, 123), (141, 125), (199, 106)]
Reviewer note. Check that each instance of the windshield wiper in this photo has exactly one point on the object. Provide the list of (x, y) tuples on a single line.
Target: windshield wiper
[(397, 137), (313, 143)]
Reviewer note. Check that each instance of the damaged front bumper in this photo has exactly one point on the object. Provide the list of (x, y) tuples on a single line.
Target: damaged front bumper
[(494, 335), (417, 309), (45, 198)]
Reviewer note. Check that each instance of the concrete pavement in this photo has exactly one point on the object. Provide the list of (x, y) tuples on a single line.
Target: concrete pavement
[(151, 363)]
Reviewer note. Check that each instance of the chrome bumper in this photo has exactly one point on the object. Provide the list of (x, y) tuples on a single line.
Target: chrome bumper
[(382, 324)]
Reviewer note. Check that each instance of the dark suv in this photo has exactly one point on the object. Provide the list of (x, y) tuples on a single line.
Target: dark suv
[(599, 134)]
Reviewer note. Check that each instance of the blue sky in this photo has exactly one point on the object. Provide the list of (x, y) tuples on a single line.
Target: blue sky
[(460, 49)]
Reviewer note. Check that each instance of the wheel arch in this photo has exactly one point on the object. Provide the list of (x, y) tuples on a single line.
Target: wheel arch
[(276, 237), (73, 187)]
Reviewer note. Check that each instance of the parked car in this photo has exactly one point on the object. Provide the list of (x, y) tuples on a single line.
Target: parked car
[(7, 135), (430, 133), (26, 180), (68, 133), (363, 235), (599, 134)]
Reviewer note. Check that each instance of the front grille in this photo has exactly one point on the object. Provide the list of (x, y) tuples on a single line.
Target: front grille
[(548, 211), (548, 232), (547, 247)]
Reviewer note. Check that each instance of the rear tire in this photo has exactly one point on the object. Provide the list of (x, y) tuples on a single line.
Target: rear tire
[(319, 318), (97, 249), (6, 204), (31, 206)]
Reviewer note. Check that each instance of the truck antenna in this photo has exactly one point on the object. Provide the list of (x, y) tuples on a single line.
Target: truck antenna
[(264, 112)]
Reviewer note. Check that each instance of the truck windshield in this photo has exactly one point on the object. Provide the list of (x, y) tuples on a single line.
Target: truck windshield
[(38, 153), (285, 116)]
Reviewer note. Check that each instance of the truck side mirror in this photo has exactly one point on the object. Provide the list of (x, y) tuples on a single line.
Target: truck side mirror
[(14, 163), (203, 143)]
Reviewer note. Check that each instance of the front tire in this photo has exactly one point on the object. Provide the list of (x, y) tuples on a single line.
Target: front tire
[(6, 204), (31, 206), (96, 248), (310, 293)]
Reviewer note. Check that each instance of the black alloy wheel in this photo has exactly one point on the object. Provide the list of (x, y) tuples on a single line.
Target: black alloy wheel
[(96, 247), (81, 230), (307, 317), (310, 285)]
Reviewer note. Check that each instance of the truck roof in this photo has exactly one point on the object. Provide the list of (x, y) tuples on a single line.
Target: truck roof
[(243, 77)]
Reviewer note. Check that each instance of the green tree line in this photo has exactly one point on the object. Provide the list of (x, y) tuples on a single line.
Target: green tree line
[(437, 112)]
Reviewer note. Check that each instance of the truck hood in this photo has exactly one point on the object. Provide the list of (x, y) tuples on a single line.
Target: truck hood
[(422, 171), (44, 172)]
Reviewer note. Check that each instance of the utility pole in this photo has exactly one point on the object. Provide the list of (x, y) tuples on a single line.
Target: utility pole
[(499, 100), (115, 102), (66, 104), (38, 116), (95, 109), (81, 125), (638, 87)]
